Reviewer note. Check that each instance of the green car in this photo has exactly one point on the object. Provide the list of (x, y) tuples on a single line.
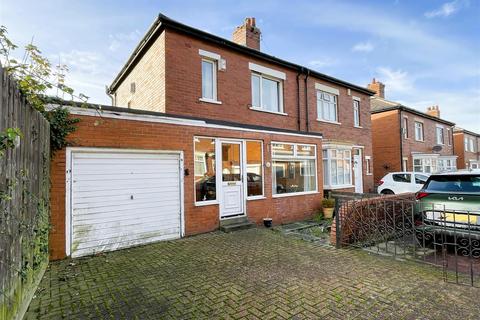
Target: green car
[(449, 203)]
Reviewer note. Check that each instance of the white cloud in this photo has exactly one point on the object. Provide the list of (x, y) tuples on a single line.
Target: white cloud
[(117, 40), (396, 81), (447, 9), (363, 47)]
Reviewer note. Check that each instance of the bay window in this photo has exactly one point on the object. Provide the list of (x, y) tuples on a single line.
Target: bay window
[(294, 168), (337, 168)]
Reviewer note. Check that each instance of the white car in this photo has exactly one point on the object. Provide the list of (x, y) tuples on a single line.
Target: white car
[(402, 182)]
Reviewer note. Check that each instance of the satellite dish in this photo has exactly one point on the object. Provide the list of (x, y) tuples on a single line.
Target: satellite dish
[(437, 148)]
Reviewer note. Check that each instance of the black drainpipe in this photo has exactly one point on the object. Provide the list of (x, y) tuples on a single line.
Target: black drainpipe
[(298, 101), (306, 99), (401, 141)]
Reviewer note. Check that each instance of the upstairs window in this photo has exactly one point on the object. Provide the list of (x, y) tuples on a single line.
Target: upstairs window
[(405, 128), (440, 136), (266, 93), (327, 106), (356, 113), (418, 131), (267, 88), (466, 143), (472, 146), (209, 79)]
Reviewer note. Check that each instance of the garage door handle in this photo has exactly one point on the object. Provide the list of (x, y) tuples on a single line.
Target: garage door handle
[(131, 197)]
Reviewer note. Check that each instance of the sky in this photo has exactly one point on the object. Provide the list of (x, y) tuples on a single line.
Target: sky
[(427, 52)]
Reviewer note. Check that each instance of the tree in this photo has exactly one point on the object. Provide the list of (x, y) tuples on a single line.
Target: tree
[(36, 77)]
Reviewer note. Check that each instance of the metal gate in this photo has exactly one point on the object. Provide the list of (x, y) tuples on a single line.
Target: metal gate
[(399, 227)]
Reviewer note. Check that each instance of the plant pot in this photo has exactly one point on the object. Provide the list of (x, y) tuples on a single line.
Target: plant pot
[(267, 222), (328, 213)]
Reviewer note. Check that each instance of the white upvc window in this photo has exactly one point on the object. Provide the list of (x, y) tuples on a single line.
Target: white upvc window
[(472, 145), (440, 135), (267, 93), (337, 168), (368, 164), (447, 164), (418, 131), (405, 127), (356, 113), (209, 79), (294, 168), (449, 137), (465, 141), (327, 108)]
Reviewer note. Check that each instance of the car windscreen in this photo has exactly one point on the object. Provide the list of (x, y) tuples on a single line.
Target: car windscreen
[(454, 183)]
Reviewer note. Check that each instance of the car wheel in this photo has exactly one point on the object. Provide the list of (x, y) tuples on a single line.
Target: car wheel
[(387, 191)]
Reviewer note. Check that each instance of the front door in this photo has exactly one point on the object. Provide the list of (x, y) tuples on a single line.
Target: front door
[(231, 202), (357, 170)]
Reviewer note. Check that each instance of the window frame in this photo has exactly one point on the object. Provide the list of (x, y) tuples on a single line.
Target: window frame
[(405, 127), (206, 202), (329, 160), (262, 196), (368, 164), (294, 158), (440, 135), (279, 82), (214, 64), (356, 113), (320, 108), (422, 131)]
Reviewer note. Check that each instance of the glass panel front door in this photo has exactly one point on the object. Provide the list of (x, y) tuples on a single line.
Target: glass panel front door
[(232, 201)]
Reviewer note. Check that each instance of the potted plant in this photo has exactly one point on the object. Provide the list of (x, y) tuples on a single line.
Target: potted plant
[(328, 205), (267, 222)]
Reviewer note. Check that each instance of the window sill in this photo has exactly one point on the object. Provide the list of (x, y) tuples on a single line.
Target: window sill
[(358, 127), (256, 198), (419, 140), (210, 101), (206, 203), (292, 194), (331, 122), (369, 174), (344, 186), (268, 111)]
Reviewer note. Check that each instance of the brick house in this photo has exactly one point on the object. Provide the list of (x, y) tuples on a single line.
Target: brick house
[(466, 147), (206, 131), (405, 139)]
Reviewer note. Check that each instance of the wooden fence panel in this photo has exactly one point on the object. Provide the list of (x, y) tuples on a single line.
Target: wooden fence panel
[(24, 200)]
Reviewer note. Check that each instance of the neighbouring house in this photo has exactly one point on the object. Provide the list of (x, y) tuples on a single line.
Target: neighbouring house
[(205, 131), (466, 146), (405, 139)]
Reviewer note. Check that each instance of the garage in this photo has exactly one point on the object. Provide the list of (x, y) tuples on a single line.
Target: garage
[(122, 198)]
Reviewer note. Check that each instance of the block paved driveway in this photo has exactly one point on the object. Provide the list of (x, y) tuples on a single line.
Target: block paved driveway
[(251, 274)]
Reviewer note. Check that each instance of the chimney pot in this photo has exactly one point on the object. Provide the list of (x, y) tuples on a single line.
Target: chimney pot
[(247, 34), (434, 111)]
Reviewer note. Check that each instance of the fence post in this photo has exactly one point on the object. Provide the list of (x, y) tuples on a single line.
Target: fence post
[(337, 224)]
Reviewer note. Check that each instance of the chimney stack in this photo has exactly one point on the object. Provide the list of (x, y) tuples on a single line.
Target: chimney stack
[(248, 34), (378, 88), (434, 111)]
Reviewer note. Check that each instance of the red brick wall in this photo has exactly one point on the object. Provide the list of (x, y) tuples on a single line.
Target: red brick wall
[(464, 156), (116, 133), (183, 90), (386, 143), (430, 138)]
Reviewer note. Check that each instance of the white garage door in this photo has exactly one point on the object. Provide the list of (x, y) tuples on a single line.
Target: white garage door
[(121, 199)]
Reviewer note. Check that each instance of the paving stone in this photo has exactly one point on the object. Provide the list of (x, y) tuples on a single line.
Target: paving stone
[(249, 274)]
